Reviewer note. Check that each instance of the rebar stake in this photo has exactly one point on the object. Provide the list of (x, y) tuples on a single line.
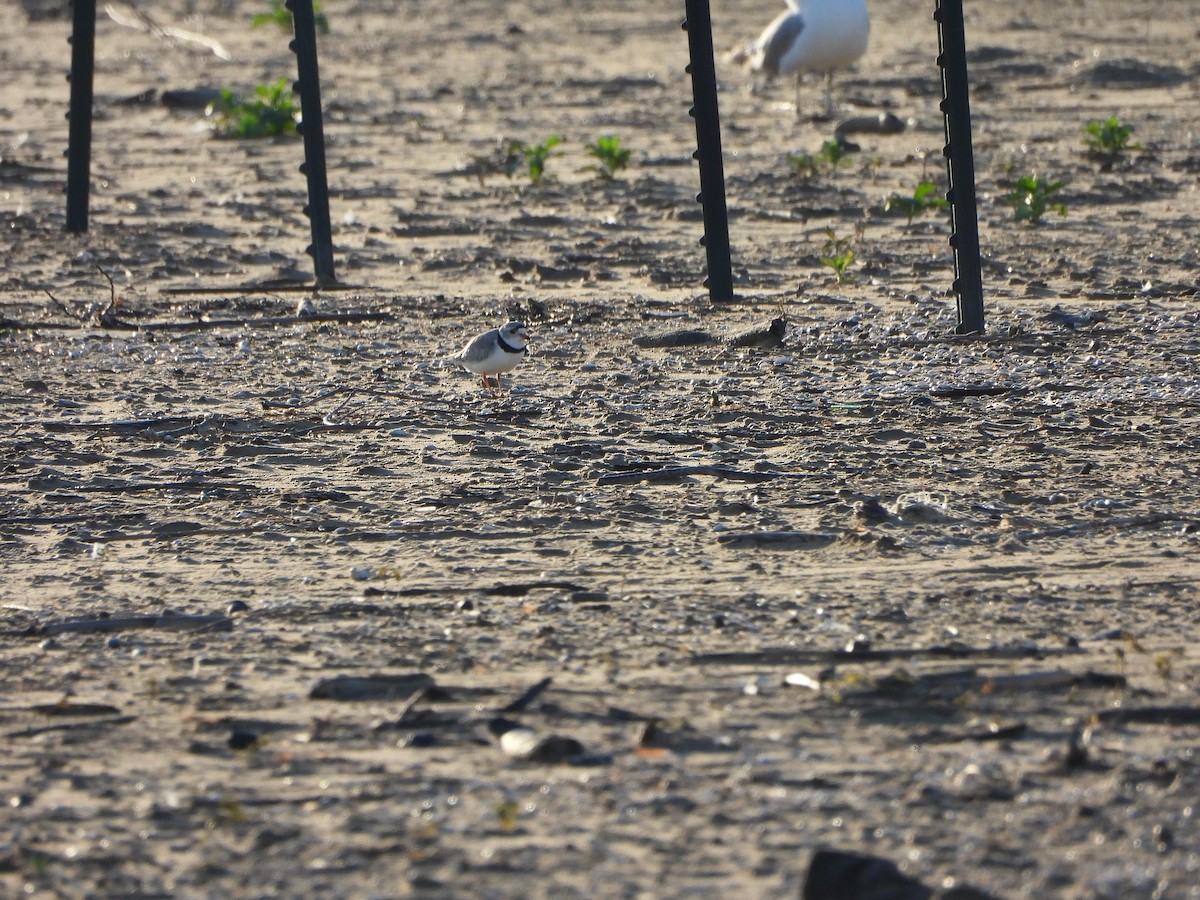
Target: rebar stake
[(702, 68), (960, 165), (304, 45), (79, 114)]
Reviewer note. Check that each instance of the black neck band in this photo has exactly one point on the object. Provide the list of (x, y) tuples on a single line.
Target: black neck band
[(507, 347)]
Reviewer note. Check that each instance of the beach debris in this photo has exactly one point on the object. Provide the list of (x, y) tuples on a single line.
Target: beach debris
[(106, 624), (243, 738), (762, 338), (845, 875), (684, 337), (799, 679), (776, 540), (522, 742), (880, 123), (527, 697), (372, 687), (870, 511), (842, 875), (676, 473)]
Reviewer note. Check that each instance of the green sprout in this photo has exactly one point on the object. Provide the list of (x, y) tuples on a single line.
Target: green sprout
[(507, 813), (1030, 197), (38, 862), (532, 156), (809, 165), (610, 155), (272, 112), (838, 254), (1110, 139), (281, 17), (924, 197)]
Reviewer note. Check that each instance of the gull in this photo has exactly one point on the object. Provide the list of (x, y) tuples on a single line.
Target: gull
[(495, 351), (811, 36)]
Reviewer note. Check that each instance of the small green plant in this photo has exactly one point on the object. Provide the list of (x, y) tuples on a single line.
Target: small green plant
[(924, 197), (803, 165), (610, 155), (1110, 139), (838, 254), (531, 157), (507, 814), (281, 17), (1030, 198), (273, 111), (809, 165)]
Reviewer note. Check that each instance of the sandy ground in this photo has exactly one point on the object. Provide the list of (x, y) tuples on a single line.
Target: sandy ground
[(878, 588)]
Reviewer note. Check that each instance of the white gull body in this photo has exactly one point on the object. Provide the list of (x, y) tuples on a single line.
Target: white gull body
[(812, 36)]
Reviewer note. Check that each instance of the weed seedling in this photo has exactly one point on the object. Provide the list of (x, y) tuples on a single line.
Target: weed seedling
[(533, 157), (281, 17), (809, 165), (507, 813), (838, 254), (1110, 139), (1030, 198), (803, 165), (610, 155), (272, 112), (924, 197)]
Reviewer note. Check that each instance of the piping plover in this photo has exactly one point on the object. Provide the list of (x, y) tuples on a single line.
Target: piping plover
[(495, 351), (811, 36)]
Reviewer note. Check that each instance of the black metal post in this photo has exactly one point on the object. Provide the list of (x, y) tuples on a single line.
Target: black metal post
[(312, 128), (79, 115), (703, 70), (960, 165)]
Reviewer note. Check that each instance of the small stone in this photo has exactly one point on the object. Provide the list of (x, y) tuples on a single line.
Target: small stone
[(113, 643), (869, 509), (519, 742), (799, 679), (50, 644), (243, 739), (237, 606), (360, 573), (860, 644)]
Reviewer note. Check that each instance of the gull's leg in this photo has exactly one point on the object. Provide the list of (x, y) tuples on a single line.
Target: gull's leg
[(829, 111)]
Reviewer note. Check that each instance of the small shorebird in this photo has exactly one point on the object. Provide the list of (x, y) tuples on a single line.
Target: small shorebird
[(495, 351), (811, 36)]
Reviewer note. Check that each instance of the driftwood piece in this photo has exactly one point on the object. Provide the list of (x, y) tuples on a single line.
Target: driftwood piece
[(685, 337), (186, 623), (114, 323), (35, 730), (515, 589), (956, 683), (777, 540), (675, 473), (531, 694), (774, 656), (373, 687), (1152, 715)]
